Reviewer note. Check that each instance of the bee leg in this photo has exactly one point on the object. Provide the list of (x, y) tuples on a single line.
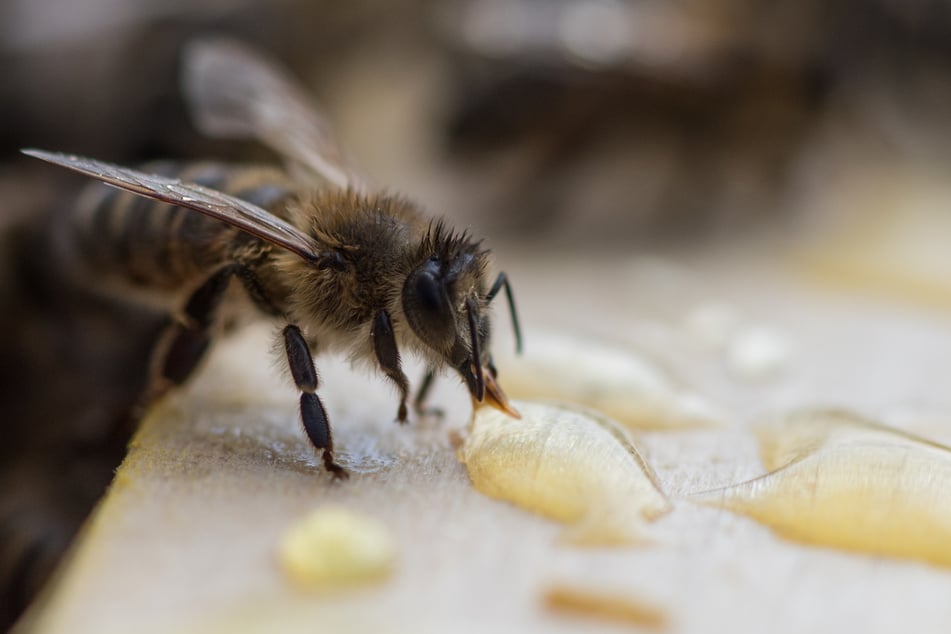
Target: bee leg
[(311, 409), (384, 344), (184, 344), (418, 402), (502, 281), (255, 290)]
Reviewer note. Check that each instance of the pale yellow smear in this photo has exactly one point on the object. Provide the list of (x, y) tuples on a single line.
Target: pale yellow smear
[(611, 379), (602, 606), (333, 547), (839, 480), (568, 464)]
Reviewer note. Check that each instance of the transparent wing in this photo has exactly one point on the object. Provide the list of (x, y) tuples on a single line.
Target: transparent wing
[(234, 211), (234, 91)]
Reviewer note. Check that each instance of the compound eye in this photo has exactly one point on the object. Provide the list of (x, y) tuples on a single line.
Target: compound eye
[(427, 306), (429, 293)]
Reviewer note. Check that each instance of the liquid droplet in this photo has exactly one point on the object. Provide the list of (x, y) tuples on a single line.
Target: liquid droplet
[(568, 464), (839, 480)]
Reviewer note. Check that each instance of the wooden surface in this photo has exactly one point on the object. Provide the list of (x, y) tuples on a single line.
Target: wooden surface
[(186, 539)]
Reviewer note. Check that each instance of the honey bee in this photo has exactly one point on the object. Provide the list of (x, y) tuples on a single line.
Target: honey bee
[(342, 266)]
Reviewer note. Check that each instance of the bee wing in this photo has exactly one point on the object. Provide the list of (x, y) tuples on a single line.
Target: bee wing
[(234, 211), (236, 92)]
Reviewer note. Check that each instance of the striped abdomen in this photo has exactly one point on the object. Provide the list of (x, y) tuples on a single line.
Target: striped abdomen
[(157, 246)]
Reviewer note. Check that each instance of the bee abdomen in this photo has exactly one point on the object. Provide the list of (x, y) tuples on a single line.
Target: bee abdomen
[(153, 244)]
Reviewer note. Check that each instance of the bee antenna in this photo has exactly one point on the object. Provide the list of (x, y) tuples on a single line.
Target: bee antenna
[(502, 281), (476, 353)]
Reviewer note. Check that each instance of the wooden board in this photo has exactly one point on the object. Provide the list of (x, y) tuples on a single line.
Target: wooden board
[(186, 539)]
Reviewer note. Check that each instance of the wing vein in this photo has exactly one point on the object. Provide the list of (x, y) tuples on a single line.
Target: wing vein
[(234, 211)]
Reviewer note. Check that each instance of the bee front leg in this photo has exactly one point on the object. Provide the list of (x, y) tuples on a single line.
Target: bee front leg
[(502, 281), (384, 345), (312, 412)]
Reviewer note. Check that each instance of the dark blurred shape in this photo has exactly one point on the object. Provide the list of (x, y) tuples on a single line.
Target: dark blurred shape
[(101, 76), (619, 119), (595, 119), (72, 365)]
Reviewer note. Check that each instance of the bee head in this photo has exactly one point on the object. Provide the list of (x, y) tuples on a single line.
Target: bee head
[(444, 300)]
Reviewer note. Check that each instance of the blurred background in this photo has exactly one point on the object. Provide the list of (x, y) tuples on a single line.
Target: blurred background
[(581, 126)]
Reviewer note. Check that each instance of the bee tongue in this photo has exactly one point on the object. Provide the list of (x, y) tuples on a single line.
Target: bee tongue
[(495, 397)]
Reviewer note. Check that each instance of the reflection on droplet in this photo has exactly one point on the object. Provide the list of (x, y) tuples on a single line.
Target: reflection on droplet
[(710, 325), (568, 464), (618, 382), (334, 547), (758, 352), (839, 480)]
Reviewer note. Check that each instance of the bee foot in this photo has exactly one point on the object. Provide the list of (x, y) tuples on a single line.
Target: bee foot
[(335, 470), (431, 412), (402, 416)]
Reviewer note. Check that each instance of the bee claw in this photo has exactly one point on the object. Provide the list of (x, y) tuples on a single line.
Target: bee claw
[(338, 473), (335, 470)]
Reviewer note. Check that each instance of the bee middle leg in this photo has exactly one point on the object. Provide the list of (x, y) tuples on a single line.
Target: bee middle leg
[(312, 411), (419, 402), (388, 355)]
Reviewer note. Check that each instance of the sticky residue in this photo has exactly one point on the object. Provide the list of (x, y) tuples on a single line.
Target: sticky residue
[(334, 547), (839, 480), (568, 464), (619, 382), (604, 606)]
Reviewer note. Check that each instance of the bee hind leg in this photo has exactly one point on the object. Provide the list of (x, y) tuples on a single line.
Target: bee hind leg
[(184, 344), (312, 412), (388, 355)]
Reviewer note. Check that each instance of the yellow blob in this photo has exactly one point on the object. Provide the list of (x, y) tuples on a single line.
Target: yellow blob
[(334, 547), (623, 385), (568, 464), (839, 480)]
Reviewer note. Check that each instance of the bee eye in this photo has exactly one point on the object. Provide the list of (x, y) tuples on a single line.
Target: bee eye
[(427, 307), (428, 293)]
